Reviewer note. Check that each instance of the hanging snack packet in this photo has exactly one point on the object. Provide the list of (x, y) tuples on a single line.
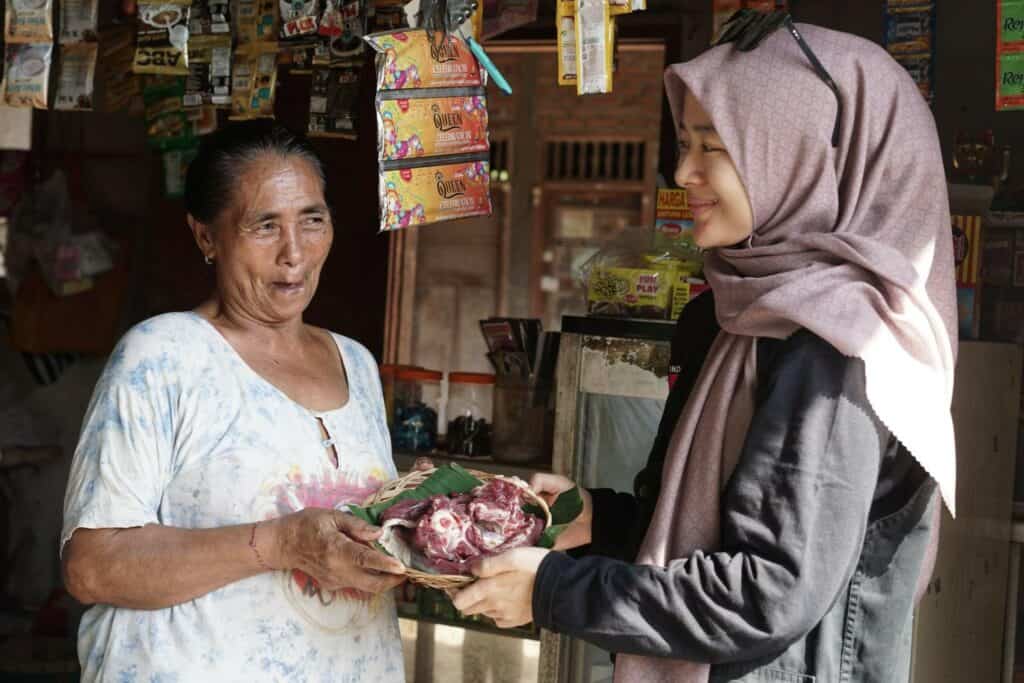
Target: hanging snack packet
[(117, 88), (343, 24), (408, 59), (254, 81), (76, 76), (1010, 83), (595, 46), (27, 75), (78, 20), (167, 123), (298, 18), (431, 126), (255, 21), (29, 21), (162, 39), (209, 71), (334, 102), (909, 31), (417, 194), (210, 17), (566, 22)]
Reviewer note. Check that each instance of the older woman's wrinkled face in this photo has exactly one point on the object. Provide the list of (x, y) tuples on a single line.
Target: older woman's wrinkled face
[(271, 243), (722, 215)]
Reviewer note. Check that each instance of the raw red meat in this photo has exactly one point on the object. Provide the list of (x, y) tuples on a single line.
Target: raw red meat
[(451, 531)]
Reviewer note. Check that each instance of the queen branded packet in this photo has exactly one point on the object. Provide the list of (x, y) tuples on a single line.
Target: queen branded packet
[(409, 59), (430, 194), (409, 128), (432, 129), (162, 39)]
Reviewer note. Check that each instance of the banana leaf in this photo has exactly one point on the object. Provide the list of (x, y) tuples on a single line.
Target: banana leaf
[(566, 508), (448, 479)]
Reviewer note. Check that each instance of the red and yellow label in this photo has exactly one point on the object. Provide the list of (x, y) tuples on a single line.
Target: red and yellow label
[(417, 196), (432, 127), (672, 205), (409, 59)]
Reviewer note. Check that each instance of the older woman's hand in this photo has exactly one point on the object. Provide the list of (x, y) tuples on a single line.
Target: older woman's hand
[(504, 591), (329, 546)]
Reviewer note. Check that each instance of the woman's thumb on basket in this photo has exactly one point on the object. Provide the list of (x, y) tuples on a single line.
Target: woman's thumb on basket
[(355, 528)]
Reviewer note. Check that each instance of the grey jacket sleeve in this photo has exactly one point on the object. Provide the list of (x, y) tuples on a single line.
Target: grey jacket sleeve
[(794, 515)]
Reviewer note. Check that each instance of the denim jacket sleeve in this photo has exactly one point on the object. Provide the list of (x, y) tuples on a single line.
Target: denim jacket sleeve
[(793, 520)]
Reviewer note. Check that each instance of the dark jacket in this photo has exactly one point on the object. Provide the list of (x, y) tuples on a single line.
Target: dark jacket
[(825, 528)]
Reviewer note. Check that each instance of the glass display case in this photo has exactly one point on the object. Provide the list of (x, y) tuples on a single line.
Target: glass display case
[(612, 386)]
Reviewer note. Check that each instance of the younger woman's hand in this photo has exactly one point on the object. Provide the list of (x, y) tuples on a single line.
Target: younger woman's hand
[(504, 591), (549, 487)]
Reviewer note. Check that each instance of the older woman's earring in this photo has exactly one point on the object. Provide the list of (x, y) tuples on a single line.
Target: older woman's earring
[(209, 261)]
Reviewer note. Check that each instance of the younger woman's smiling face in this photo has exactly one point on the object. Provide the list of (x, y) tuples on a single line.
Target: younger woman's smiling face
[(722, 216)]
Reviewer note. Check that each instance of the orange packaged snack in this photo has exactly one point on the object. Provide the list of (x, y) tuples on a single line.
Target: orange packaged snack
[(432, 126), (428, 194)]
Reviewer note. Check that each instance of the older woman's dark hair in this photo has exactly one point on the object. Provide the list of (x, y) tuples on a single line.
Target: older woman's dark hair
[(213, 173)]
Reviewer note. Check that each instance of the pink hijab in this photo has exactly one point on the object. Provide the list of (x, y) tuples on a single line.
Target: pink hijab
[(851, 242)]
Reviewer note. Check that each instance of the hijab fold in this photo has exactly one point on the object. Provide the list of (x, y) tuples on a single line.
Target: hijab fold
[(852, 243)]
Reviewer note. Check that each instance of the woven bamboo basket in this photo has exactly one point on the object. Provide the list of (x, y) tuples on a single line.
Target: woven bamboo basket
[(413, 479)]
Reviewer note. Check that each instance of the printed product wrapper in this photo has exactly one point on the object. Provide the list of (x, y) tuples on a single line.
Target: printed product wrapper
[(27, 75), (299, 19), (409, 60), (1010, 32), (254, 81), (566, 22), (432, 126), (209, 71), (211, 17), (1010, 88), (167, 123), (629, 278), (343, 25), (78, 20), (162, 38), (595, 47), (334, 102), (29, 21), (430, 194), (909, 31), (1009, 55), (255, 21), (76, 76), (673, 225)]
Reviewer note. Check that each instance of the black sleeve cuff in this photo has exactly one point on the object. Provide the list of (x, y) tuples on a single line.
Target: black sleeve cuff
[(546, 587)]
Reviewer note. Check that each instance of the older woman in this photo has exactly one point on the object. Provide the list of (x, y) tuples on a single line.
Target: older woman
[(204, 514)]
